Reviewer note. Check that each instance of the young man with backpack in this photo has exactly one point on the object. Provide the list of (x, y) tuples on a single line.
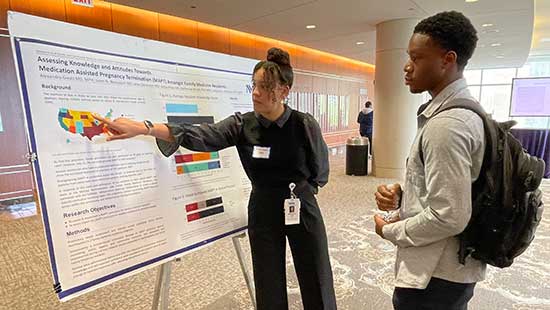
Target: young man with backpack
[(436, 203), (470, 195)]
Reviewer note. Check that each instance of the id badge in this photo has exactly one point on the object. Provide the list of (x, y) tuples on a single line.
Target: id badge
[(292, 211), (292, 207), (261, 152)]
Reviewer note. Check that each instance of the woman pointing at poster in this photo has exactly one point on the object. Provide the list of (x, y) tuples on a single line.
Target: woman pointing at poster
[(279, 148)]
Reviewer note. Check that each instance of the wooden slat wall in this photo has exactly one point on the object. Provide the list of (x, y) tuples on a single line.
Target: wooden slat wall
[(13, 142), (4, 6)]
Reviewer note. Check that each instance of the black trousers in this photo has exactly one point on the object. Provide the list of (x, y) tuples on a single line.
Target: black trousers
[(439, 295), (368, 135), (308, 243)]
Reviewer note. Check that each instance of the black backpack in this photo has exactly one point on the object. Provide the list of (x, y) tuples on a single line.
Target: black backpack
[(506, 202)]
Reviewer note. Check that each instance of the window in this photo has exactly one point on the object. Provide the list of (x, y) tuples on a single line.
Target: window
[(475, 91), (344, 112), (532, 122), (495, 99), (498, 76), (473, 77), (493, 87), (333, 113)]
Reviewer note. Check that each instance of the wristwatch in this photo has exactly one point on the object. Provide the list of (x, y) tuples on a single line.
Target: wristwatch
[(149, 126)]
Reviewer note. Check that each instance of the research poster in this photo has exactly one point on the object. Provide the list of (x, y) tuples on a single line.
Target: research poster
[(112, 209)]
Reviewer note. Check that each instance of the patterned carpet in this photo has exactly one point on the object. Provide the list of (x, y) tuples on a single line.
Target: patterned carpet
[(362, 264)]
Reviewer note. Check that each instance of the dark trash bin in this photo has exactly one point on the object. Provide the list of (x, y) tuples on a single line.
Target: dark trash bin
[(357, 156)]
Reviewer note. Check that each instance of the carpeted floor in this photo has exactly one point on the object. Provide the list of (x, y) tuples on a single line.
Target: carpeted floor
[(362, 264)]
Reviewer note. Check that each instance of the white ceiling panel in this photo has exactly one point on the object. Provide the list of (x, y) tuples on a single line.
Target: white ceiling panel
[(475, 8), (342, 23)]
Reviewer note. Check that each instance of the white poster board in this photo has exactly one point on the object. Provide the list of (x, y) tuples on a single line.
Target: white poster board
[(112, 209)]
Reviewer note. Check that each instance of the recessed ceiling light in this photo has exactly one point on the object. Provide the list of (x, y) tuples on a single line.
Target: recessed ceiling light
[(496, 44), (311, 26), (360, 43), (487, 25), (471, 0)]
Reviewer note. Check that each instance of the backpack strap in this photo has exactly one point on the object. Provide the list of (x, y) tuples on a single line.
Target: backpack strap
[(458, 103)]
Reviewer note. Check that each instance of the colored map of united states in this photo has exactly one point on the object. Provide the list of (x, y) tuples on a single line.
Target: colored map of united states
[(81, 122)]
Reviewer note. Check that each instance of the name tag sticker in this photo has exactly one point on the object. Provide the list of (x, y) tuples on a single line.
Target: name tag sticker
[(261, 152)]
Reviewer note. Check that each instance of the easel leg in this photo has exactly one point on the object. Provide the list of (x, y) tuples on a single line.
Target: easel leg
[(247, 277), (162, 287)]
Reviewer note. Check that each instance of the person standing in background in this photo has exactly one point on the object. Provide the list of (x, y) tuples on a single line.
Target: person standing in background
[(365, 120)]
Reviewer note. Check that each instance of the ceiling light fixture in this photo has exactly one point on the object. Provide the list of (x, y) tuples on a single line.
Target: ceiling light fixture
[(360, 43), (496, 44), (311, 26), (500, 56), (487, 25), (471, 0)]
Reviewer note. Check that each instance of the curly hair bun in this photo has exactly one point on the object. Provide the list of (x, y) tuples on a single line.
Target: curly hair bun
[(278, 56)]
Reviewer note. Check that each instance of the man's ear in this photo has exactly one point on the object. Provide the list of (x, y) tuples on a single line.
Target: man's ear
[(450, 58)]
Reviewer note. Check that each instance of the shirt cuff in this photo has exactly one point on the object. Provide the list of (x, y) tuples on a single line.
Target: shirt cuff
[(168, 148), (391, 231)]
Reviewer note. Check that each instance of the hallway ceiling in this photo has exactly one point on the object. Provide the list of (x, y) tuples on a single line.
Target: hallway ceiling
[(505, 40)]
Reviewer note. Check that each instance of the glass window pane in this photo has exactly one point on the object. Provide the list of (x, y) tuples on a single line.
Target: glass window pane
[(531, 122), (332, 112), (474, 91), (499, 76), (473, 77), (322, 106), (496, 101), (536, 69), (524, 71)]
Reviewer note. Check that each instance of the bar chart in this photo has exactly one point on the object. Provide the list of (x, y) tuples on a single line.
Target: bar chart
[(187, 113), (204, 209)]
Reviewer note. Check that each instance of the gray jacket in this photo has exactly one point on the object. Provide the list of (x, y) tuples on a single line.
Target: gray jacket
[(436, 203)]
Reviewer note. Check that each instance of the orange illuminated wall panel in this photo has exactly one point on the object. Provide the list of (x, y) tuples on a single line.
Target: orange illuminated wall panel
[(54, 9), (242, 44), (213, 38), (4, 6), (178, 30), (135, 22), (97, 17)]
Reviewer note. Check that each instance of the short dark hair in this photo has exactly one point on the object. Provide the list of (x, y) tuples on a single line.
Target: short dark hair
[(452, 31), (368, 104)]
